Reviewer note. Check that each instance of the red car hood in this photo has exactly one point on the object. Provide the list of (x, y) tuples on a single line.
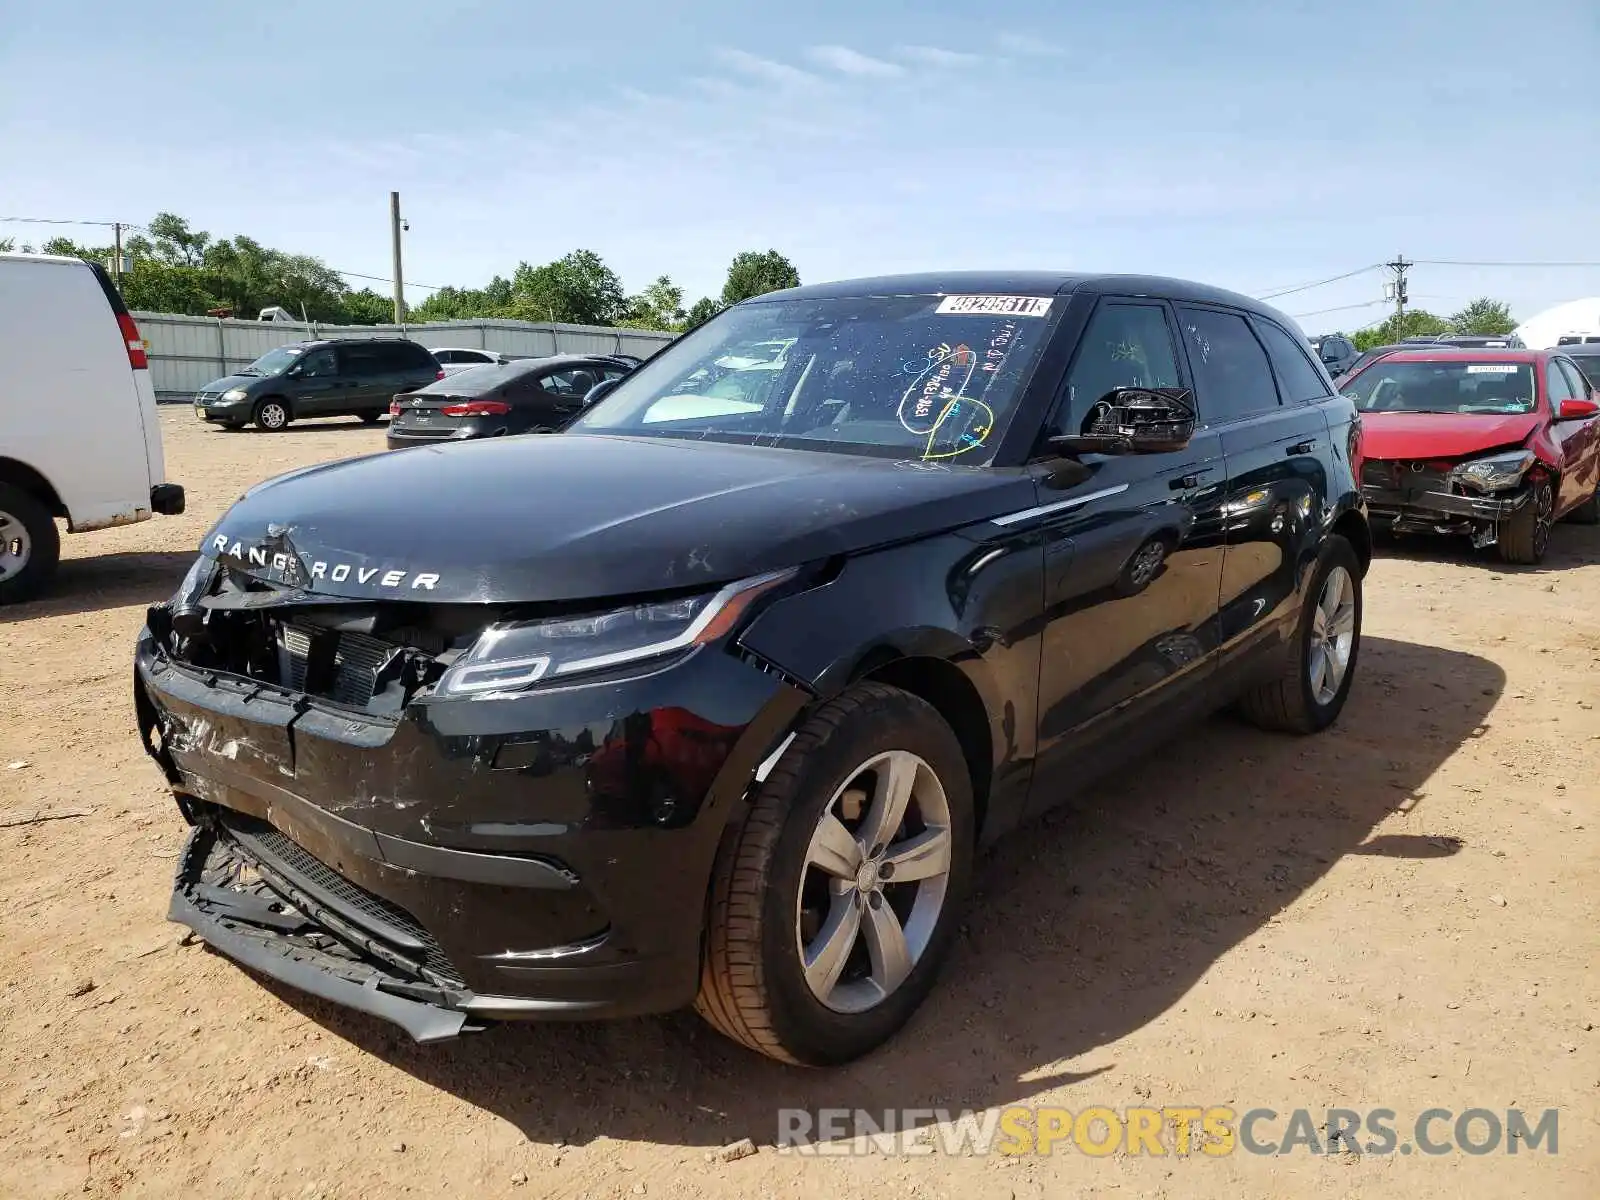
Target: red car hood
[(1441, 435)]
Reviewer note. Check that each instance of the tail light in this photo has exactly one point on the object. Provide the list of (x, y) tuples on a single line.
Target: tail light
[(477, 408), (439, 374), (394, 408), (137, 359)]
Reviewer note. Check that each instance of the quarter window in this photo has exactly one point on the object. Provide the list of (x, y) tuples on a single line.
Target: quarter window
[(1299, 379), (1230, 367), (1125, 345)]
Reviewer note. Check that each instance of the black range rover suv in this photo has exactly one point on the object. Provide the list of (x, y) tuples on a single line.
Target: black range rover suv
[(715, 695)]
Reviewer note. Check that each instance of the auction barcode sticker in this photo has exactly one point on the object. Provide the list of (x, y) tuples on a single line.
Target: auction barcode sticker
[(1000, 306), (1492, 368)]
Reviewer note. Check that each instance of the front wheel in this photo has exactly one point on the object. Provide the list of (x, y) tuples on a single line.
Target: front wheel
[(1314, 682), (1526, 535), (834, 905), (272, 415)]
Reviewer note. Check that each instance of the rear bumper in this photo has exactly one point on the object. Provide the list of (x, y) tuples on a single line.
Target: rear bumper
[(167, 499), (1387, 504), (544, 857), (464, 431)]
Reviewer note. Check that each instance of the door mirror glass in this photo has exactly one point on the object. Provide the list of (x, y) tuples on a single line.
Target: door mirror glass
[(1132, 420)]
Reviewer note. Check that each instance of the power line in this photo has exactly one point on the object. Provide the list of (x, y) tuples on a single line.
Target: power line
[(427, 287), (1341, 308), (1455, 262), (1306, 287)]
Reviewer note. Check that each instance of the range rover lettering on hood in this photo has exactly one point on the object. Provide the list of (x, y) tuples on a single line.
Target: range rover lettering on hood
[(288, 568)]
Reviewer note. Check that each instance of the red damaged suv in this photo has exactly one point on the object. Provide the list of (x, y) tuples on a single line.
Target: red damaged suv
[(1494, 444)]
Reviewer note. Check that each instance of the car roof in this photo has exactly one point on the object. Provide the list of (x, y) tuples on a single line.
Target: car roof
[(1026, 283), (1469, 354)]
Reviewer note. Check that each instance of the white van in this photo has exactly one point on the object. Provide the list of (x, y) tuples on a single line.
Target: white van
[(79, 437)]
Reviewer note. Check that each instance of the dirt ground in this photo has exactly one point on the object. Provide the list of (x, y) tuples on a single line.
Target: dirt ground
[(1401, 913)]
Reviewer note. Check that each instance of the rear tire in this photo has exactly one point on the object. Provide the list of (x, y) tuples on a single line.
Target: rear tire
[(1304, 699), (272, 415), (30, 545), (1526, 536), (825, 871)]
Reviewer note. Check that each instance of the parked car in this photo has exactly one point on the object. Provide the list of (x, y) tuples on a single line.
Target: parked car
[(531, 395), (717, 708), (79, 438), (1336, 352), (452, 359), (1587, 356), (1368, 357), (1495, 445), (351, 377)]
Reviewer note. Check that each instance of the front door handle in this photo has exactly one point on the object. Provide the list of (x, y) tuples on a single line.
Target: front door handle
[(1305, 447), (1183, 483)]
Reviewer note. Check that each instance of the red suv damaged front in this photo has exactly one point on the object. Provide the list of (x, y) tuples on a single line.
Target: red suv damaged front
[(1496, 445)]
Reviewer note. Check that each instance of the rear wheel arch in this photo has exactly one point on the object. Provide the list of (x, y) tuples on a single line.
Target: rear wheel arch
[(20, 475)]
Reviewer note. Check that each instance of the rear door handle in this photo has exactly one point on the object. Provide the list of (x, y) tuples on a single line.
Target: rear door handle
[(1305, 447), (1183, 483)]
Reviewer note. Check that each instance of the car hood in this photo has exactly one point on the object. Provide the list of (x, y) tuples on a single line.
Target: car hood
[(231, 381), (559, 518), (1441, 435)]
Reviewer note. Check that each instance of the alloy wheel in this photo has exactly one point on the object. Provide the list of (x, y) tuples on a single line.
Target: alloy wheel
[(1544, 503), (16, 547), (1333, 631), (876, 876), (273, 415)]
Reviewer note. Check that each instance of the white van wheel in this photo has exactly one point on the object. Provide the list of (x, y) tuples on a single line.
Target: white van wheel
[(29, 545)]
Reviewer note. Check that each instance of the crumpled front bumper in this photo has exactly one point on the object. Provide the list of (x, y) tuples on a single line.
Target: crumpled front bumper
[(1442, 507)]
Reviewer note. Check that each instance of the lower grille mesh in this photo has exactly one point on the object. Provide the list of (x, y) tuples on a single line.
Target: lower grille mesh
[(360, 901)]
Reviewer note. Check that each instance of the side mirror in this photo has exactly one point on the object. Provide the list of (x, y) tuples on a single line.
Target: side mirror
[(1132, 420), (1576, 410), (600, 391)]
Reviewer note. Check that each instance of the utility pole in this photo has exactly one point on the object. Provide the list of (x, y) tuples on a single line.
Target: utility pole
[(399, 278), (1399, 266), (116, 259)]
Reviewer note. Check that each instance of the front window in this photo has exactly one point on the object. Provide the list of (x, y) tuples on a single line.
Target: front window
[(274, 362), (934, 378), (1443, 387)]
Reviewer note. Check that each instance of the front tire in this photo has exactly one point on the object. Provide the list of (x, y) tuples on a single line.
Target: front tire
[(30, 545), (1525, 536), (1310, 690), (834, 906), (272, 415)]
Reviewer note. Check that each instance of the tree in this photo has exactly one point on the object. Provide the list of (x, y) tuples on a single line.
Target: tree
[(659, 306), (702, 311), (578, 288), (1483, 316), (753, 273), (171, 241), (1415, 323), (367, 307), (150, 285)]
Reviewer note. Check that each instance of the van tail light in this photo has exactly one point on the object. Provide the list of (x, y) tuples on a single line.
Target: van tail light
[(477, 408), (137, 358), (394, 408)]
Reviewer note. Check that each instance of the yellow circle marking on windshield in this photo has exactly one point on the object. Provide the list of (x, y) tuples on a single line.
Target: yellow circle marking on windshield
[(976, 435)]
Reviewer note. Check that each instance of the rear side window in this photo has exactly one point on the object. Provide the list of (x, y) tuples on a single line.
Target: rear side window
[(363, 360), (1589, 367), (574, 381), (411, 357), (1575, 379), (445, 356), (1299, 379), (1230, 368)]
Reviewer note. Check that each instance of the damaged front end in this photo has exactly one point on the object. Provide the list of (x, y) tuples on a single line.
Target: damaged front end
[(436, 849), (1472, 498)]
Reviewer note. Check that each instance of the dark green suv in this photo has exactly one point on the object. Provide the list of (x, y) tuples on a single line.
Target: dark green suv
[(355, 377)]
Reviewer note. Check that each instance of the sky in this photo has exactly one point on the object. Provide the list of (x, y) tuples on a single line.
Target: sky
[(1252, 144)]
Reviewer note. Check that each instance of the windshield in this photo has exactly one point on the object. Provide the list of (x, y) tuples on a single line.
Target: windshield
[(274, 362), (1445, 387), (914, 377)]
